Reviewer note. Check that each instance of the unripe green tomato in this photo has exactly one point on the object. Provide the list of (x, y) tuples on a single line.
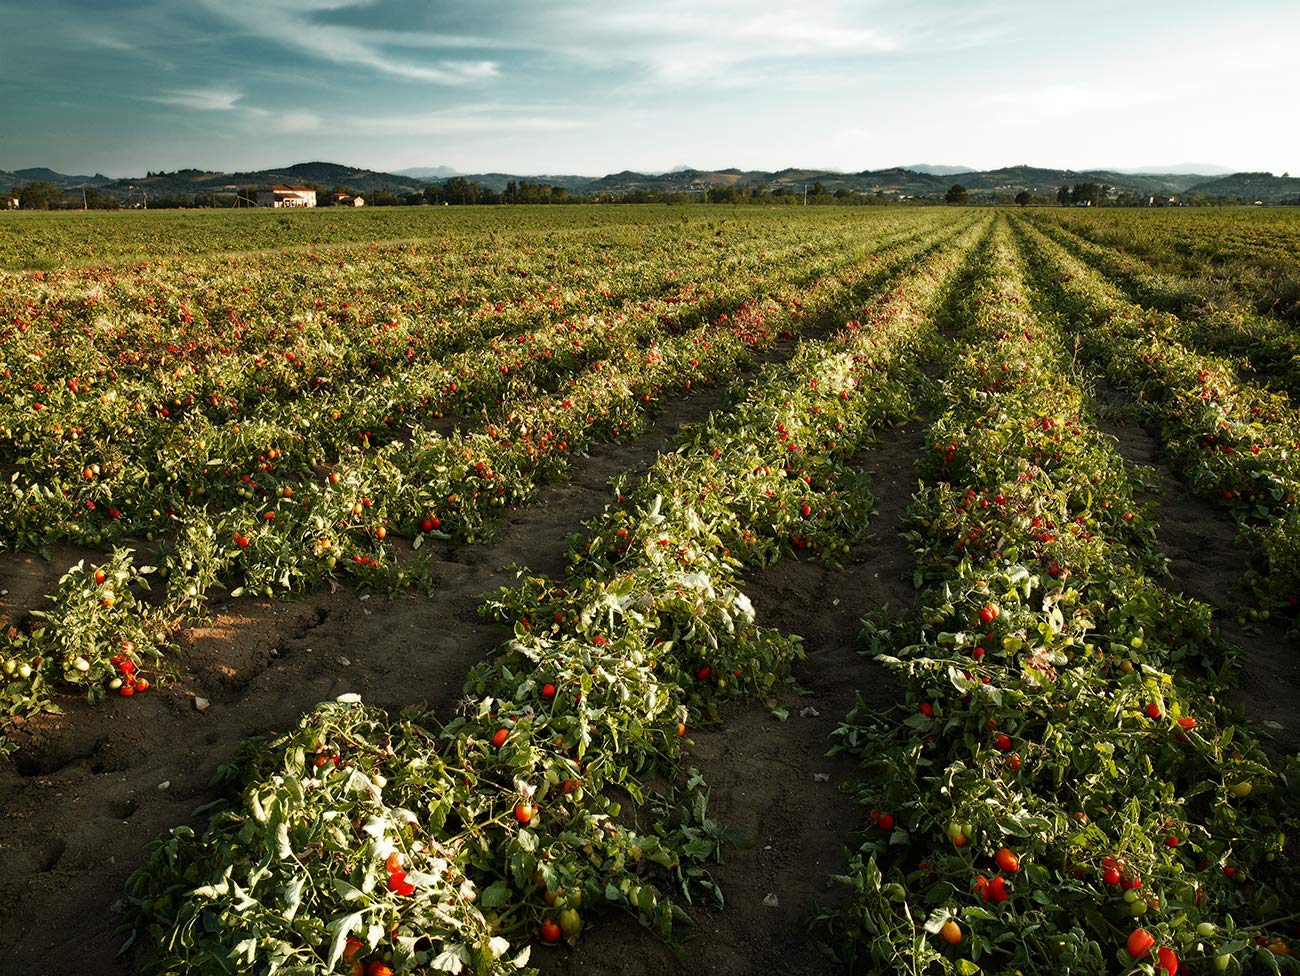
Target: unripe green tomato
[(1241, 789), (1206, 929), (1130, 896), (1137, 908), (24, 671), (1221, 963)]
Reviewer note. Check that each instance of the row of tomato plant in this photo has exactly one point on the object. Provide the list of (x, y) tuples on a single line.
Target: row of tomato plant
[(1230, 440), (1063, 788), (214, 405), (1228, 253), (291, 533), (361, 844), (1270, 348)]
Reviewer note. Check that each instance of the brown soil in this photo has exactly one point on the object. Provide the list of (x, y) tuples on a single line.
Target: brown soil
[(1207, 562), (89, 787), (763, 773)]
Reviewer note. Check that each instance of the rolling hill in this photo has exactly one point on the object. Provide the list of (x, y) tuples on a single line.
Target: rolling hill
[(898, 182)]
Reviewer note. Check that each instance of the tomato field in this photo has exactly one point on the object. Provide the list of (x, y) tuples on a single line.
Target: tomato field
[(650, 589)]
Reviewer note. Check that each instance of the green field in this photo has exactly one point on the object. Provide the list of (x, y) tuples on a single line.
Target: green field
[(514, 586)]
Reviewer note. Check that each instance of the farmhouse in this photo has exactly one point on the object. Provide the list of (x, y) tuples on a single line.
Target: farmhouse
[(287, 196), (11, 203), (348, 200)]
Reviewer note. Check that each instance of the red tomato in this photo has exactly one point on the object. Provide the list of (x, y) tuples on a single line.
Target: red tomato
[(951, 932), (550, 931), (1140, 943), (398, 884), (1008, 861), (499, 737), (524, 812), (378, 968), (988, 613), (886, 821), (998, 890), (1166, 960), (1002, 742)]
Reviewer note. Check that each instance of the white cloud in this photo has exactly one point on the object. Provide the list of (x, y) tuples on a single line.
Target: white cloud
[(291, 23), (199, 100)]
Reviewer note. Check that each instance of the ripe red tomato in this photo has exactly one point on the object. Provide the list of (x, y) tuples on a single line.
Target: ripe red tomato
[(550, 931), (926, 709), (378, 968), (988, 613), (1166, 960), (524, 812), (998, 890), (499, 737), (1110, 876), (704, 673), (548, 691), (1008, 861), (1187, 722), (1140, 943), (398, 884), (393, 863), (886, 821), (1002, 742), (1153, 710)]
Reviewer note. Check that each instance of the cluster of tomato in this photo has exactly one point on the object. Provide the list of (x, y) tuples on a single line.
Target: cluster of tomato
[(1235, 442), (1004, 688)]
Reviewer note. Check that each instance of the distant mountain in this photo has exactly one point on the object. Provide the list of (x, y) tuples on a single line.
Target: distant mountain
[(1249, 187), (929, 170), (430, 172), (898, 182), (325, 175), (40, 174), (1182, 169)]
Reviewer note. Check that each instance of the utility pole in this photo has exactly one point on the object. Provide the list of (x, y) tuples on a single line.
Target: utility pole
[(805, 194), (84, 205)]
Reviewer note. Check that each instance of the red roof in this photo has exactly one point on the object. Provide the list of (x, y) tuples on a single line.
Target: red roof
[(281, 188)]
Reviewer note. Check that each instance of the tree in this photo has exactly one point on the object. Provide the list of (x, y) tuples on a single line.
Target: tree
[(957, 194), (1023, 198), (39, 196), (1090, 193), (1063, 195)]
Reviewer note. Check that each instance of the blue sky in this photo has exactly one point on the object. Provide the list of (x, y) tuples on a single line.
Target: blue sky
[(541, 86)]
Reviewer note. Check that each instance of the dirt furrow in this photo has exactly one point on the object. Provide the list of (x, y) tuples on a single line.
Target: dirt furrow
[(770, 780), (90, 787), (1207, 561)]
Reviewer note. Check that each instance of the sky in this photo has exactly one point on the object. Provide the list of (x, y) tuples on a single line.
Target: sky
[(544, 86)]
